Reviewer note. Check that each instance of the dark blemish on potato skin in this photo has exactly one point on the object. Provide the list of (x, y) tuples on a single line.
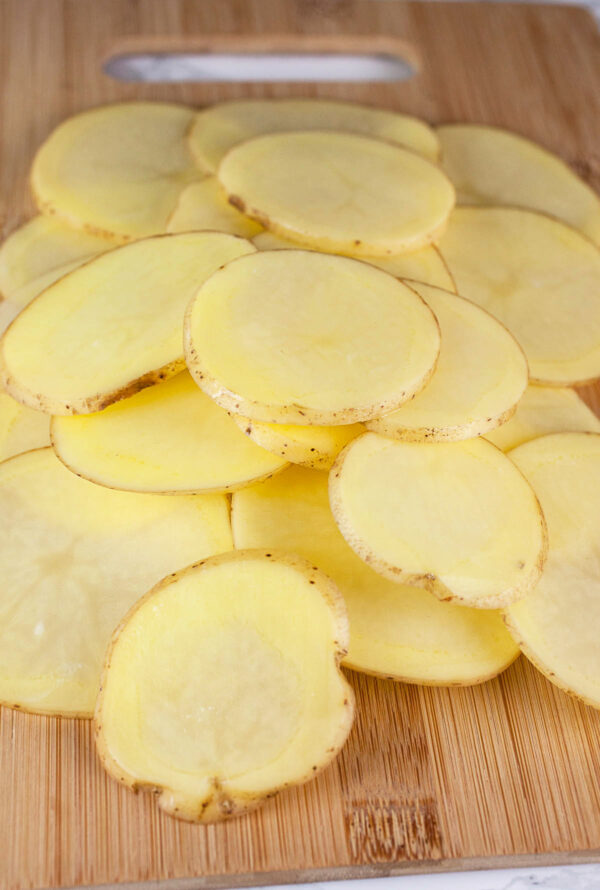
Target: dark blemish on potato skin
[(238, 202)]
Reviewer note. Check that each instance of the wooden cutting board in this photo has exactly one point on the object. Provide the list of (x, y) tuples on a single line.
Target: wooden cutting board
[(431, 779)]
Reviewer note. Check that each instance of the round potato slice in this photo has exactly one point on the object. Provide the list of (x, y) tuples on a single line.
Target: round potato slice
[(112, 327), (492, 166), (456, 518), (307, 338), (223, 685), (75, 557), (169, 439), (21, 429), (556, 625), (480, 376), (544, 410), (338, 192), (312, 446), (116, 170), (221, 127), (538, 277), (396, 631), (203, 205)]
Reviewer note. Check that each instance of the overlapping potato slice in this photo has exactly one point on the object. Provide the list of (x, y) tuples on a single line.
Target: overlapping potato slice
[(556, 625), (75, 557), (338, 192), (480, 376), (492, 166), (223, 685), (221, 127), (291, 337), (396, 631), (537, 276), (170, 438), (112, 327), (311, 446), (21, 429), (203, 205), (116, 170), (544, 410), (457, 518)]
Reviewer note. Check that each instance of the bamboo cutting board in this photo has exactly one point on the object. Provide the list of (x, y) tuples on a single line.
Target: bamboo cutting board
[(431, 779)]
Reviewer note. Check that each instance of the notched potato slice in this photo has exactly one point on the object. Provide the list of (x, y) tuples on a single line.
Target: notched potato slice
[(75, 557), (289, 337), (21, 429), (480, 376), (223, 686), (396, 631), (492, 166), (311, 446), (116, 170), (556, 625), (544, 410), (538, 277), (170, 438), (338, 192), (203, 205), (112, 327), (456, 518), (221, 127)]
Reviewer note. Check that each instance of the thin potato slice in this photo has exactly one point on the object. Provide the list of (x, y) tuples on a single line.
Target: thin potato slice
[(456, 518), (544, 410), (112, 327), (538, 277), (223, 685), (556, 625), (203, 205), (21, 429), (168, 439), (290, 337), (480, 376), (311, 446), (75, 557), (396, 631), (492, 166), (221, 127), (116, 170), (338, 192)]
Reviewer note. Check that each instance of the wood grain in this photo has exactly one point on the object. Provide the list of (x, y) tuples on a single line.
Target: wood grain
[(431, 778)]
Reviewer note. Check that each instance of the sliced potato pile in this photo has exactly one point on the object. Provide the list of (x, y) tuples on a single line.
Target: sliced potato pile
[(203, 205), (259, 640), (21, 429), (311, 446)]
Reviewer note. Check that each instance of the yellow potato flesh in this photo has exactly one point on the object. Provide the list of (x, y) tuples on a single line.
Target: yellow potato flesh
[(537, 276), (223, 685), (544, 410), (21, 429), (203, 205), (221, 127), (338, 192), (556, 625), (396, 631), (169, 438), (456, 518), (492, 166), (311, 446), (289, 337), (116, 170), (113, 326), (480, 376), (75, 557)]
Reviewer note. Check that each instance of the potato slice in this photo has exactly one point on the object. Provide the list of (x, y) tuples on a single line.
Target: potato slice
[(21, 429), (312, 446), (556, 625), (203, 205), (537, 276), (116, 170), (290, 337), (168, 439), (396, 631), (543, 410), (480, 376), (456, 518), (223, 686), (492, 166), (112, 327), (338, 192), (75, 557), (221, 127)]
